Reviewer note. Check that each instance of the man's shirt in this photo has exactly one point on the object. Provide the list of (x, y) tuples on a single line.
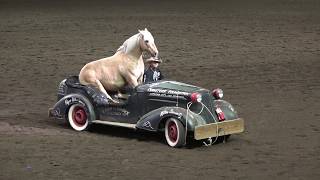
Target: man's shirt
[(152, 75)]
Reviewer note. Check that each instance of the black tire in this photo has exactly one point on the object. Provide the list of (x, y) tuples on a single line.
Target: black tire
[(78, 117), (175, 133)]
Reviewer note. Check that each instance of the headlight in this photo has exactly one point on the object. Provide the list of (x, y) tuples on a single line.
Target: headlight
[(196, 97), (217, 93)]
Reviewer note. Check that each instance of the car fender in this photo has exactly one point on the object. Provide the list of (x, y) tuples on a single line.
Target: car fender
[(60, 109), (227, 108), (154, 120)]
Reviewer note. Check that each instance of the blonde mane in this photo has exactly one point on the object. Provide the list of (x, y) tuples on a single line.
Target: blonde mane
[(129, 44)]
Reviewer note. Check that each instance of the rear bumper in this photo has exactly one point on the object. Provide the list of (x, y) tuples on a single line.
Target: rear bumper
[(219, 129)]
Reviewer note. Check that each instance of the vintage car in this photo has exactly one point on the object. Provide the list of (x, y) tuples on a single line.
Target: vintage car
[(176, 109)]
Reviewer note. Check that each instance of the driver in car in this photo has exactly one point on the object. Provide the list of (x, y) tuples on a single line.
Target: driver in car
[(152, 72)]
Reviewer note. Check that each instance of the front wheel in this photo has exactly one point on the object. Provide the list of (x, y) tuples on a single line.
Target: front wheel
[(175, 133), (78, 117)]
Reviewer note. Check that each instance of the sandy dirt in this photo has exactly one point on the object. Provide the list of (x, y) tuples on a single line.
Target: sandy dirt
[(264, 54)]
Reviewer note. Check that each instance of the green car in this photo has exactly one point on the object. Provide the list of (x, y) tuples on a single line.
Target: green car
[(176, 109)]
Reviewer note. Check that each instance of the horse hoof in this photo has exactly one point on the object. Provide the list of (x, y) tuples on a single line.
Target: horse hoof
[(122, 96), (114, 101)]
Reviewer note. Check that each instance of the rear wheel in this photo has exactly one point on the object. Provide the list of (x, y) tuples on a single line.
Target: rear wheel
[(175, 133), (78, 117)]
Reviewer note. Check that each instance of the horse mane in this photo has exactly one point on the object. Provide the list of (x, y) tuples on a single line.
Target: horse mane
[(124, 47)]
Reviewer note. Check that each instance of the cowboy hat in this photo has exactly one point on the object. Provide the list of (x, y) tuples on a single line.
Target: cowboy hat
[(153, 59)]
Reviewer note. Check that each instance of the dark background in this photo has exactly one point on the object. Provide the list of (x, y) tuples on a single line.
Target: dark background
[(264, 54)]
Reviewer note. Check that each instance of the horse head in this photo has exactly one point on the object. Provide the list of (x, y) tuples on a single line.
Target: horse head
[(147, 42)]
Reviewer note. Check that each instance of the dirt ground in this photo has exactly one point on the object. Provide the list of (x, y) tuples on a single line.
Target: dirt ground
[(264, 54)]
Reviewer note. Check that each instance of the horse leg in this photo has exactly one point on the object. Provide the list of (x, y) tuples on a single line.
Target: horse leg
[(122, 96), (140, 79), (132, 82), (101, 88)]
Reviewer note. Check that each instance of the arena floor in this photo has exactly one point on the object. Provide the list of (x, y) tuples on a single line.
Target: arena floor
[(264, 54)]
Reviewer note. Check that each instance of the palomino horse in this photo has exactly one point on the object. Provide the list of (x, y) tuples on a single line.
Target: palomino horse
[(125, 67)]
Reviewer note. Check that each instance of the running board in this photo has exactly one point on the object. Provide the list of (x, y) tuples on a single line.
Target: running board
[(126, 125)]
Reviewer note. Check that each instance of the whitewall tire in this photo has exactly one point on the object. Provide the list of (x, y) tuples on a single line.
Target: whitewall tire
[(78, 117), (175, 133)]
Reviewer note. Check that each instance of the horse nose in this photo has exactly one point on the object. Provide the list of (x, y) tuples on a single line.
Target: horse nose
[(155, 54)]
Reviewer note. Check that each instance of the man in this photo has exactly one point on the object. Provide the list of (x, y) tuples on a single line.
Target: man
[(152, 73)]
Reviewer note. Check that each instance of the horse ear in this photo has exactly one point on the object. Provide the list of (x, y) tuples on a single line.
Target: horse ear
[(145, 29), (141, 33)]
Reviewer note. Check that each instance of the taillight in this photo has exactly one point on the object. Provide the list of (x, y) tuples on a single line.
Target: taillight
[(220, 114), (217, 93), (196, 97)]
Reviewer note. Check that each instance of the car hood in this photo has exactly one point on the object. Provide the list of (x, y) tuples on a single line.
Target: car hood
[(183, 90), (169, 87)]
